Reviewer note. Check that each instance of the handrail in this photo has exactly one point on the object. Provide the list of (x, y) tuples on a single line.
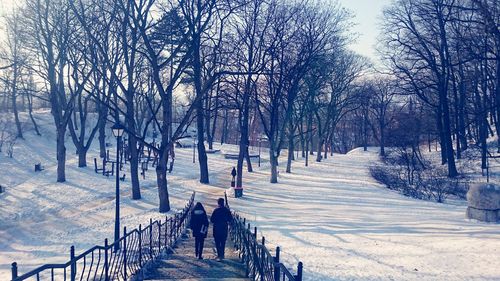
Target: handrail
[(260, 264), (135, 248)]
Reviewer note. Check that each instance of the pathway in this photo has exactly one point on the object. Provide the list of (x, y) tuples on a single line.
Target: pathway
[(183, 265)]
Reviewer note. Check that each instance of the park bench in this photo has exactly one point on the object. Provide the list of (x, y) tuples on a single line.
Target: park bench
[(106, 172), (96, 168), (235, 156)]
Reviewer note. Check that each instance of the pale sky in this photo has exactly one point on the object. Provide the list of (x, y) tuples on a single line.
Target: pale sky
[(367, 16)]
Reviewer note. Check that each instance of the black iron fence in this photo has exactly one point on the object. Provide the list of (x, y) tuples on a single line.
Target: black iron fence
[(135, 248), (260, 264)]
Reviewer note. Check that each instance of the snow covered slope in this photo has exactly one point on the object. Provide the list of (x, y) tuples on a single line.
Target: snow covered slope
[(40, 219), (331, 215), (344, 226)]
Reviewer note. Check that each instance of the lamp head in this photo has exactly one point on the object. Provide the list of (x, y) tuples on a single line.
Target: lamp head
[(118, 129)]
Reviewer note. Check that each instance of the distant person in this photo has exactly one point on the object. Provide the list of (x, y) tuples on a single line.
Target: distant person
[(221, 217), (199, 226)]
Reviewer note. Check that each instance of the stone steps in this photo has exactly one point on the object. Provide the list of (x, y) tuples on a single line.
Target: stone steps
[(183, 265)]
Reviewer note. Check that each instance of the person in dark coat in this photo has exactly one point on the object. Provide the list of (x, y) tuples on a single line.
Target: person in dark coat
[(221, 217), (199, 226)]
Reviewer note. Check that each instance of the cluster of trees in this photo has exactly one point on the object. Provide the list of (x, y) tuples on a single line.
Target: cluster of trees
[(444, 55), (282, 68)]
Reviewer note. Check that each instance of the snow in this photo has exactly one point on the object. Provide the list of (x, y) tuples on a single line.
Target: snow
[(40, 219), (342, 225), (332, 215)]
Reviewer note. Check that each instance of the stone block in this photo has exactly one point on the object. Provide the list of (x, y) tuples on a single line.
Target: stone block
[(484, 197), (483, 215)]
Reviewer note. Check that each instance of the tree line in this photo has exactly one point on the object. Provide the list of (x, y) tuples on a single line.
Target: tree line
[(281, 68), (246, 71)]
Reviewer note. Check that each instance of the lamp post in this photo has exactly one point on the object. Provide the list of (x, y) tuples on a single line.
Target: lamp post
[(118, 131)]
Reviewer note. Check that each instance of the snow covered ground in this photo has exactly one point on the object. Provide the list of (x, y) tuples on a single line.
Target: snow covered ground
[(331, 215), (40, 219), (342, 225)]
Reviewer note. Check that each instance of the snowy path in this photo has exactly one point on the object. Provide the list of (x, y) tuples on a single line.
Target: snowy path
[(344, 226)]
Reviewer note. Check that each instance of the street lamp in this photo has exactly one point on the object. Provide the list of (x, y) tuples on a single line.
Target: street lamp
[(118, 131)]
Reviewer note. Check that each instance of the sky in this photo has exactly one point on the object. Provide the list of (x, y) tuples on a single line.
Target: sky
[(367, 18), (367, 14)]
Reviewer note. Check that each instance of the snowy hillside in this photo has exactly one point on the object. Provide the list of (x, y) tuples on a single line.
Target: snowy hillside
[(344, 226), (331, 215), (40, 219)]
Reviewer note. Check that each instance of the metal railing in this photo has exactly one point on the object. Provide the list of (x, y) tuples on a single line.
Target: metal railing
[(260, 264), (135, 248)]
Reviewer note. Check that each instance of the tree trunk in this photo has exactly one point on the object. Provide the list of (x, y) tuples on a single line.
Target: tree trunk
[(290, 153), (134, 167), (61, 154), (274, 165), (197, 68), (82, 157), (14, 101), (32, 118), (442, 144), (161, 180), (382, 138), (102, 132), (319, 147), (452, 170)]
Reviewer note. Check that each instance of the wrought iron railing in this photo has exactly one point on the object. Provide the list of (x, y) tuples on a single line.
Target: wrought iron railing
[(108, 262), (260, 264)]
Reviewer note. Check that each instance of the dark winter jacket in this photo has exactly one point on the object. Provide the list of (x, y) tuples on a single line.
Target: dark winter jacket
[(199, 219), (221, 217)]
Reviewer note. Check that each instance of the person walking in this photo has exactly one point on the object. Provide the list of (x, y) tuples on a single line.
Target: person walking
[(221, 217), (199, 226)]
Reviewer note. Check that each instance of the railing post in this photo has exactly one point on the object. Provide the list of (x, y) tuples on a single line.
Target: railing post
[(151, 237), (106, 258), (125, 252), (170, 233), (140, 245), (176, 226), (262, 258), (255, 257), (159, 237), (14, 270), (277, 265), (299, 271), (166, 232), (73, 263)]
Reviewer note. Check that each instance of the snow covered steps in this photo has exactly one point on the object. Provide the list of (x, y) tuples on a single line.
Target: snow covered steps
[(183, 265)]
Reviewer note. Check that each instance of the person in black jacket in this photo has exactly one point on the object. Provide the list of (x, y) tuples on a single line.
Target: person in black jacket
[(199, 226), (221, 217)]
